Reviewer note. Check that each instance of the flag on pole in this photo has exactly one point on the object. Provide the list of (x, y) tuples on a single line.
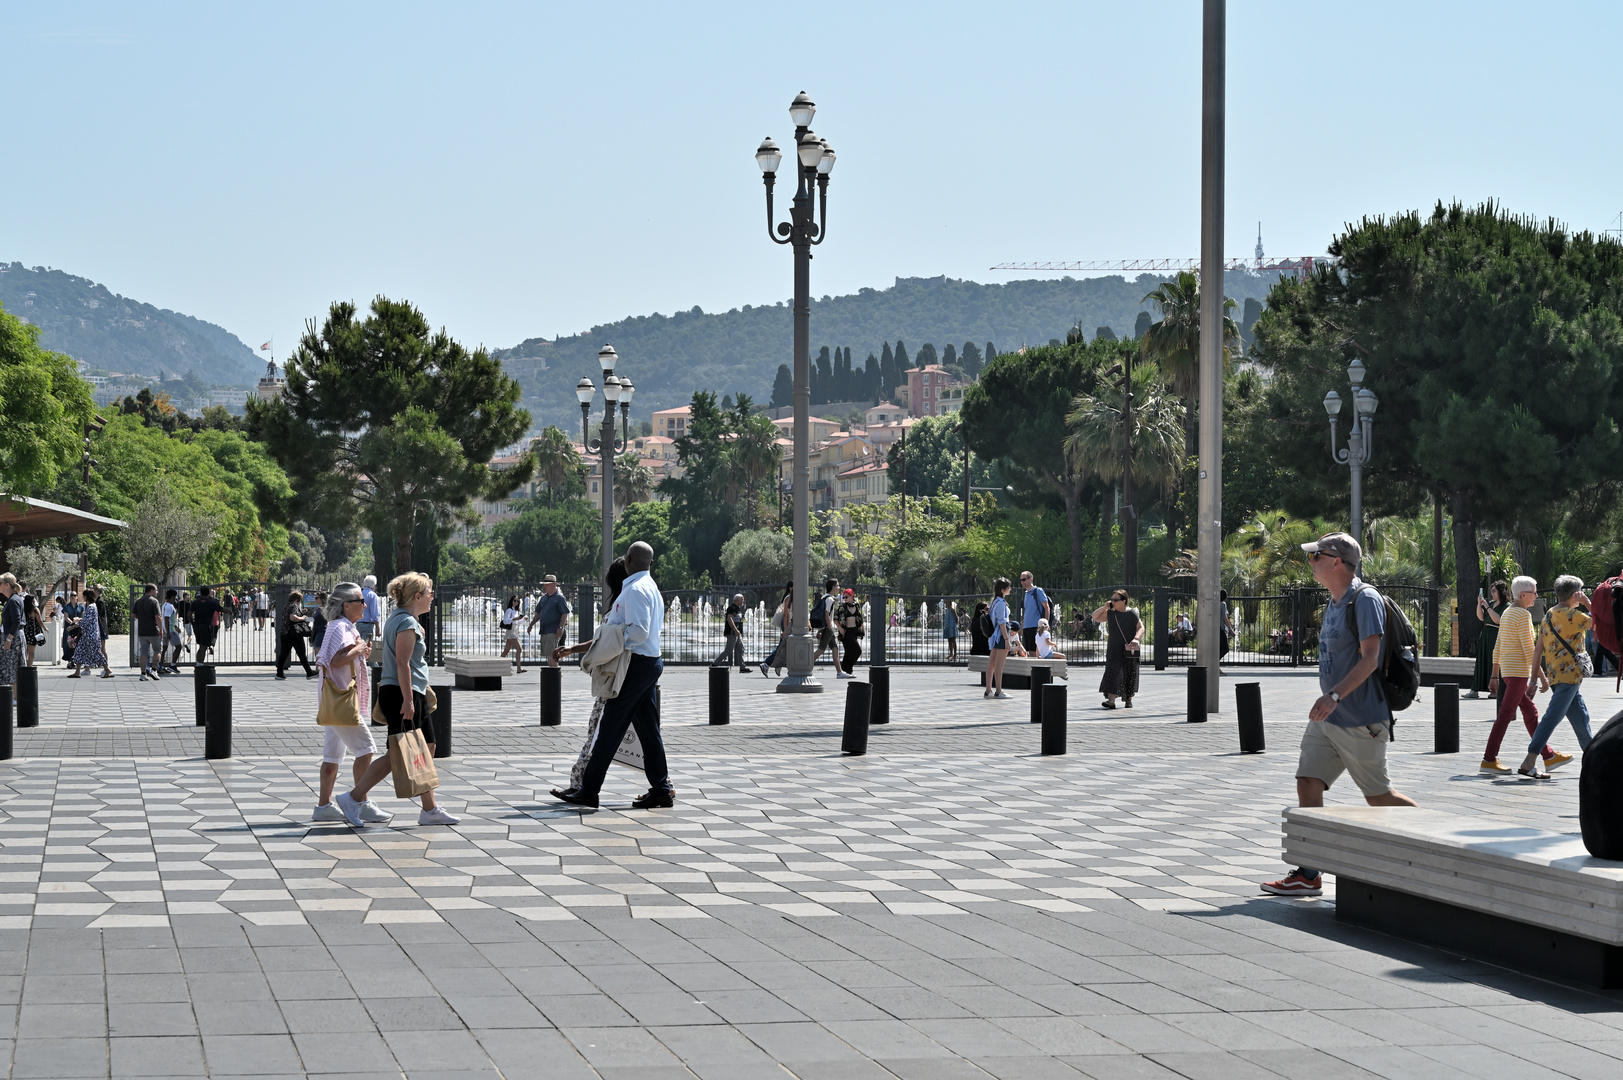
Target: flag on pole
[(264, 347)]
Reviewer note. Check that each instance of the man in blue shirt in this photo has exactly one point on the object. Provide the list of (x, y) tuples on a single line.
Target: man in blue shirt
[(552, 615), (1036, 607), (368, 626), (1350, 724), (641, 610)]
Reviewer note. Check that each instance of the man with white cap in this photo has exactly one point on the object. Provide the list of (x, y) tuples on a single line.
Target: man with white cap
[(1350, 724)]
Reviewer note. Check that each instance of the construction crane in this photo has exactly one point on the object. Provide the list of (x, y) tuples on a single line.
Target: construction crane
[(1258, 264)]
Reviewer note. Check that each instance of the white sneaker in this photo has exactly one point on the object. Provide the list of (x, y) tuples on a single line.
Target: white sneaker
[(349, 808), (327, 812), (437, 816), (372, 812)]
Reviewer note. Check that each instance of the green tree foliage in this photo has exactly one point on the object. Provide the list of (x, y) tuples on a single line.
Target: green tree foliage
[(763, 557), (386, 422), (1104, 333), (556, 461), (1016, 415), (935, 459), (46, 405), (651, 523), (167, 534), (565, 540), (218, 474), (633, 481), (926, 356), (1494, 343), (1143, 322), (971, 360)]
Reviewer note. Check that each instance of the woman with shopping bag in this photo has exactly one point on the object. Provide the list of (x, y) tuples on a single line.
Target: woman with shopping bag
[(403, 702), (343, 702)]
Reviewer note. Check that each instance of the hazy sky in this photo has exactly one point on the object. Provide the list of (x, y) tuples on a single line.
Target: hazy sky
[(534, 169)]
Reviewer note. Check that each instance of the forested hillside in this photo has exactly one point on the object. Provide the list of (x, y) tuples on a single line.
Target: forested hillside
[(109, 332), (670, 356)]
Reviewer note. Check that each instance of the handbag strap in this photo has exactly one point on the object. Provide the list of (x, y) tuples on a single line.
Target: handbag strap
[(1549, 621)]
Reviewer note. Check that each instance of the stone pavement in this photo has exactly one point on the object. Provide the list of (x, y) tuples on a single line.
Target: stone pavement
[(949, 905)]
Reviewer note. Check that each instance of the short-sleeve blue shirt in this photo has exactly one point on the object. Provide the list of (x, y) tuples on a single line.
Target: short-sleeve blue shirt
[(1035, 599), (1338, 655)]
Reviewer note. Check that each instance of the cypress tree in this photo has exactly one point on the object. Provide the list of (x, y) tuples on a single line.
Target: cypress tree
[(926, 355), (887, 372), (870, 379), (988, 356), (825, 378), (783, 388), (971, 360), (1144, 322), (949, 356), (853, 381), (1104, 332)]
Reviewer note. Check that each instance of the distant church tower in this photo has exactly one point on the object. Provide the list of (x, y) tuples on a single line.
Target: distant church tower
[(272, 385)]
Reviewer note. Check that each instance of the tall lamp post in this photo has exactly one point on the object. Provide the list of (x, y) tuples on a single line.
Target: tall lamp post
[(801, 231), (584, 391), (1360, 438)]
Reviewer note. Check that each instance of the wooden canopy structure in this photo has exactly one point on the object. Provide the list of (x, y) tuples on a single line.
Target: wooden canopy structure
[(28, 521)]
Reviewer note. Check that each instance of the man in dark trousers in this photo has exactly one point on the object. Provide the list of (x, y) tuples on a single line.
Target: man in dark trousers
[(149, 632), (848, 617), (732, 631), (206, 615), (641, 610)]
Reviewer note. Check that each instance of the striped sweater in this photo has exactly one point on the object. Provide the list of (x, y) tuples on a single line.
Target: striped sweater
[(1513, 652)]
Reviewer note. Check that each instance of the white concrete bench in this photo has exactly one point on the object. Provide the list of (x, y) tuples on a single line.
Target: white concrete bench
[(478, 672), (1519, 896), (1017, 670), (1454, 669)]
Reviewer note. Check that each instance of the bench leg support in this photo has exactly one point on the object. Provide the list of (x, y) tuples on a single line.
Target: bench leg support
[(1517, 945)]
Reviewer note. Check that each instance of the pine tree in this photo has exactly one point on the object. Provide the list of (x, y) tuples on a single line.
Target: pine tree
[(783, 388), (949, 356), (825, 378), (1144, 323)]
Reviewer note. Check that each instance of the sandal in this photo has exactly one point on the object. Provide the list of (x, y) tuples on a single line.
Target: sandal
[(75, 675), (1535, 773), (105, 675)]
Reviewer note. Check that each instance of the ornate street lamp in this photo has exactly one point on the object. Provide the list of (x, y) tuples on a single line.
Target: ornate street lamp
[(807, 225), (613, 390), (1360, 438), (626, 390)]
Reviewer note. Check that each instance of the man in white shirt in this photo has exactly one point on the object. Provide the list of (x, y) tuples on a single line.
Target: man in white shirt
[(641, 610), (171, 634)]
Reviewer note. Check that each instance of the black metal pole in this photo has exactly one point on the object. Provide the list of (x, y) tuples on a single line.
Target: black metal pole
[(439, 727), (858, 697), (552, 691), (27, 696), (720, 695), (1053, 719), (879, 703), (1446, 718), (217, 733), (203, 676), (1163, 646), (1196, 712), (1248, 704)]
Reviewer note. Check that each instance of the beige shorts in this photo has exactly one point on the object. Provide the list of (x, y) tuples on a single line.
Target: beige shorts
[(355, 739), (1329, 750)]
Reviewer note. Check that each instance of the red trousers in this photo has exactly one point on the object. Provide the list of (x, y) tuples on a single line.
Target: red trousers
[(1514, 696)]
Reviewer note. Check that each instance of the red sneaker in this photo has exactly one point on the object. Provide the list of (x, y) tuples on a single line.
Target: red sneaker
[(1295, 884)]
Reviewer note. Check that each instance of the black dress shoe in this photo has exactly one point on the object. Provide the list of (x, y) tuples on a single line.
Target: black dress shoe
[(654, 799), (575, 797)]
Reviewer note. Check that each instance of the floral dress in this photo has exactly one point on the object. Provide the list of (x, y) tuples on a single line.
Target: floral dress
[(89, 652)]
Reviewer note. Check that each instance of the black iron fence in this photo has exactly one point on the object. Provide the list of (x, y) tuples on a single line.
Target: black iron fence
[(902, 628)]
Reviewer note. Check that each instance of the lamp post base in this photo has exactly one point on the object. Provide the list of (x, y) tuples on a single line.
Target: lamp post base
[(801, 679)]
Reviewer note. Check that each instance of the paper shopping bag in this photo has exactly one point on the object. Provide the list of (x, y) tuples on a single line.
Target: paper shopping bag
[(411, 765)]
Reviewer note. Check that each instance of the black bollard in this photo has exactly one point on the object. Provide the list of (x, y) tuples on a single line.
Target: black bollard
[(202, 679), (27, 697), (552, 696), (439, 730), (217, 733), (1248, 703), (1041, 676), (1197, 696), (721, 704), (858, 696), (5, 723), (1446, 718), (879, 700), (1053, 719)]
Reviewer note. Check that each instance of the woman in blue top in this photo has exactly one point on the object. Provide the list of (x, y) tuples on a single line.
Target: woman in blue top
[(1002, 640), (405, 664), (949, 629)]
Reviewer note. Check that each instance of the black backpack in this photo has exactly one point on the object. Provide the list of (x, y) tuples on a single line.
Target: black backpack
[(1399, 669), (819, 609)]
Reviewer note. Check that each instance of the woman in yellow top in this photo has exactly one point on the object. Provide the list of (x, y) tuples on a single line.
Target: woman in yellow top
[(1558, 667), (1513, 658)]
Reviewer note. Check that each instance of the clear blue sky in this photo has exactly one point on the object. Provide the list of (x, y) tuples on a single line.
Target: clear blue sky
[(531, 169)]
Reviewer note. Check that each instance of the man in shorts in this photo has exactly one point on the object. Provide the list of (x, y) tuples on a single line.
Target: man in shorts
[(827, 638), (1350, 724), (149, 633), (552, 616)]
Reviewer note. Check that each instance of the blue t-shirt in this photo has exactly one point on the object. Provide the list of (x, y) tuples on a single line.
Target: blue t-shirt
[(550, 613), (404, 620), (1000, 617), (1338, 655), (1035, 599)]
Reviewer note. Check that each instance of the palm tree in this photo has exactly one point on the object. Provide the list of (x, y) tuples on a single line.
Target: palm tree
[(1174, 344), (633, 481), (555, 458), (1097, 442), (752, 457)]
